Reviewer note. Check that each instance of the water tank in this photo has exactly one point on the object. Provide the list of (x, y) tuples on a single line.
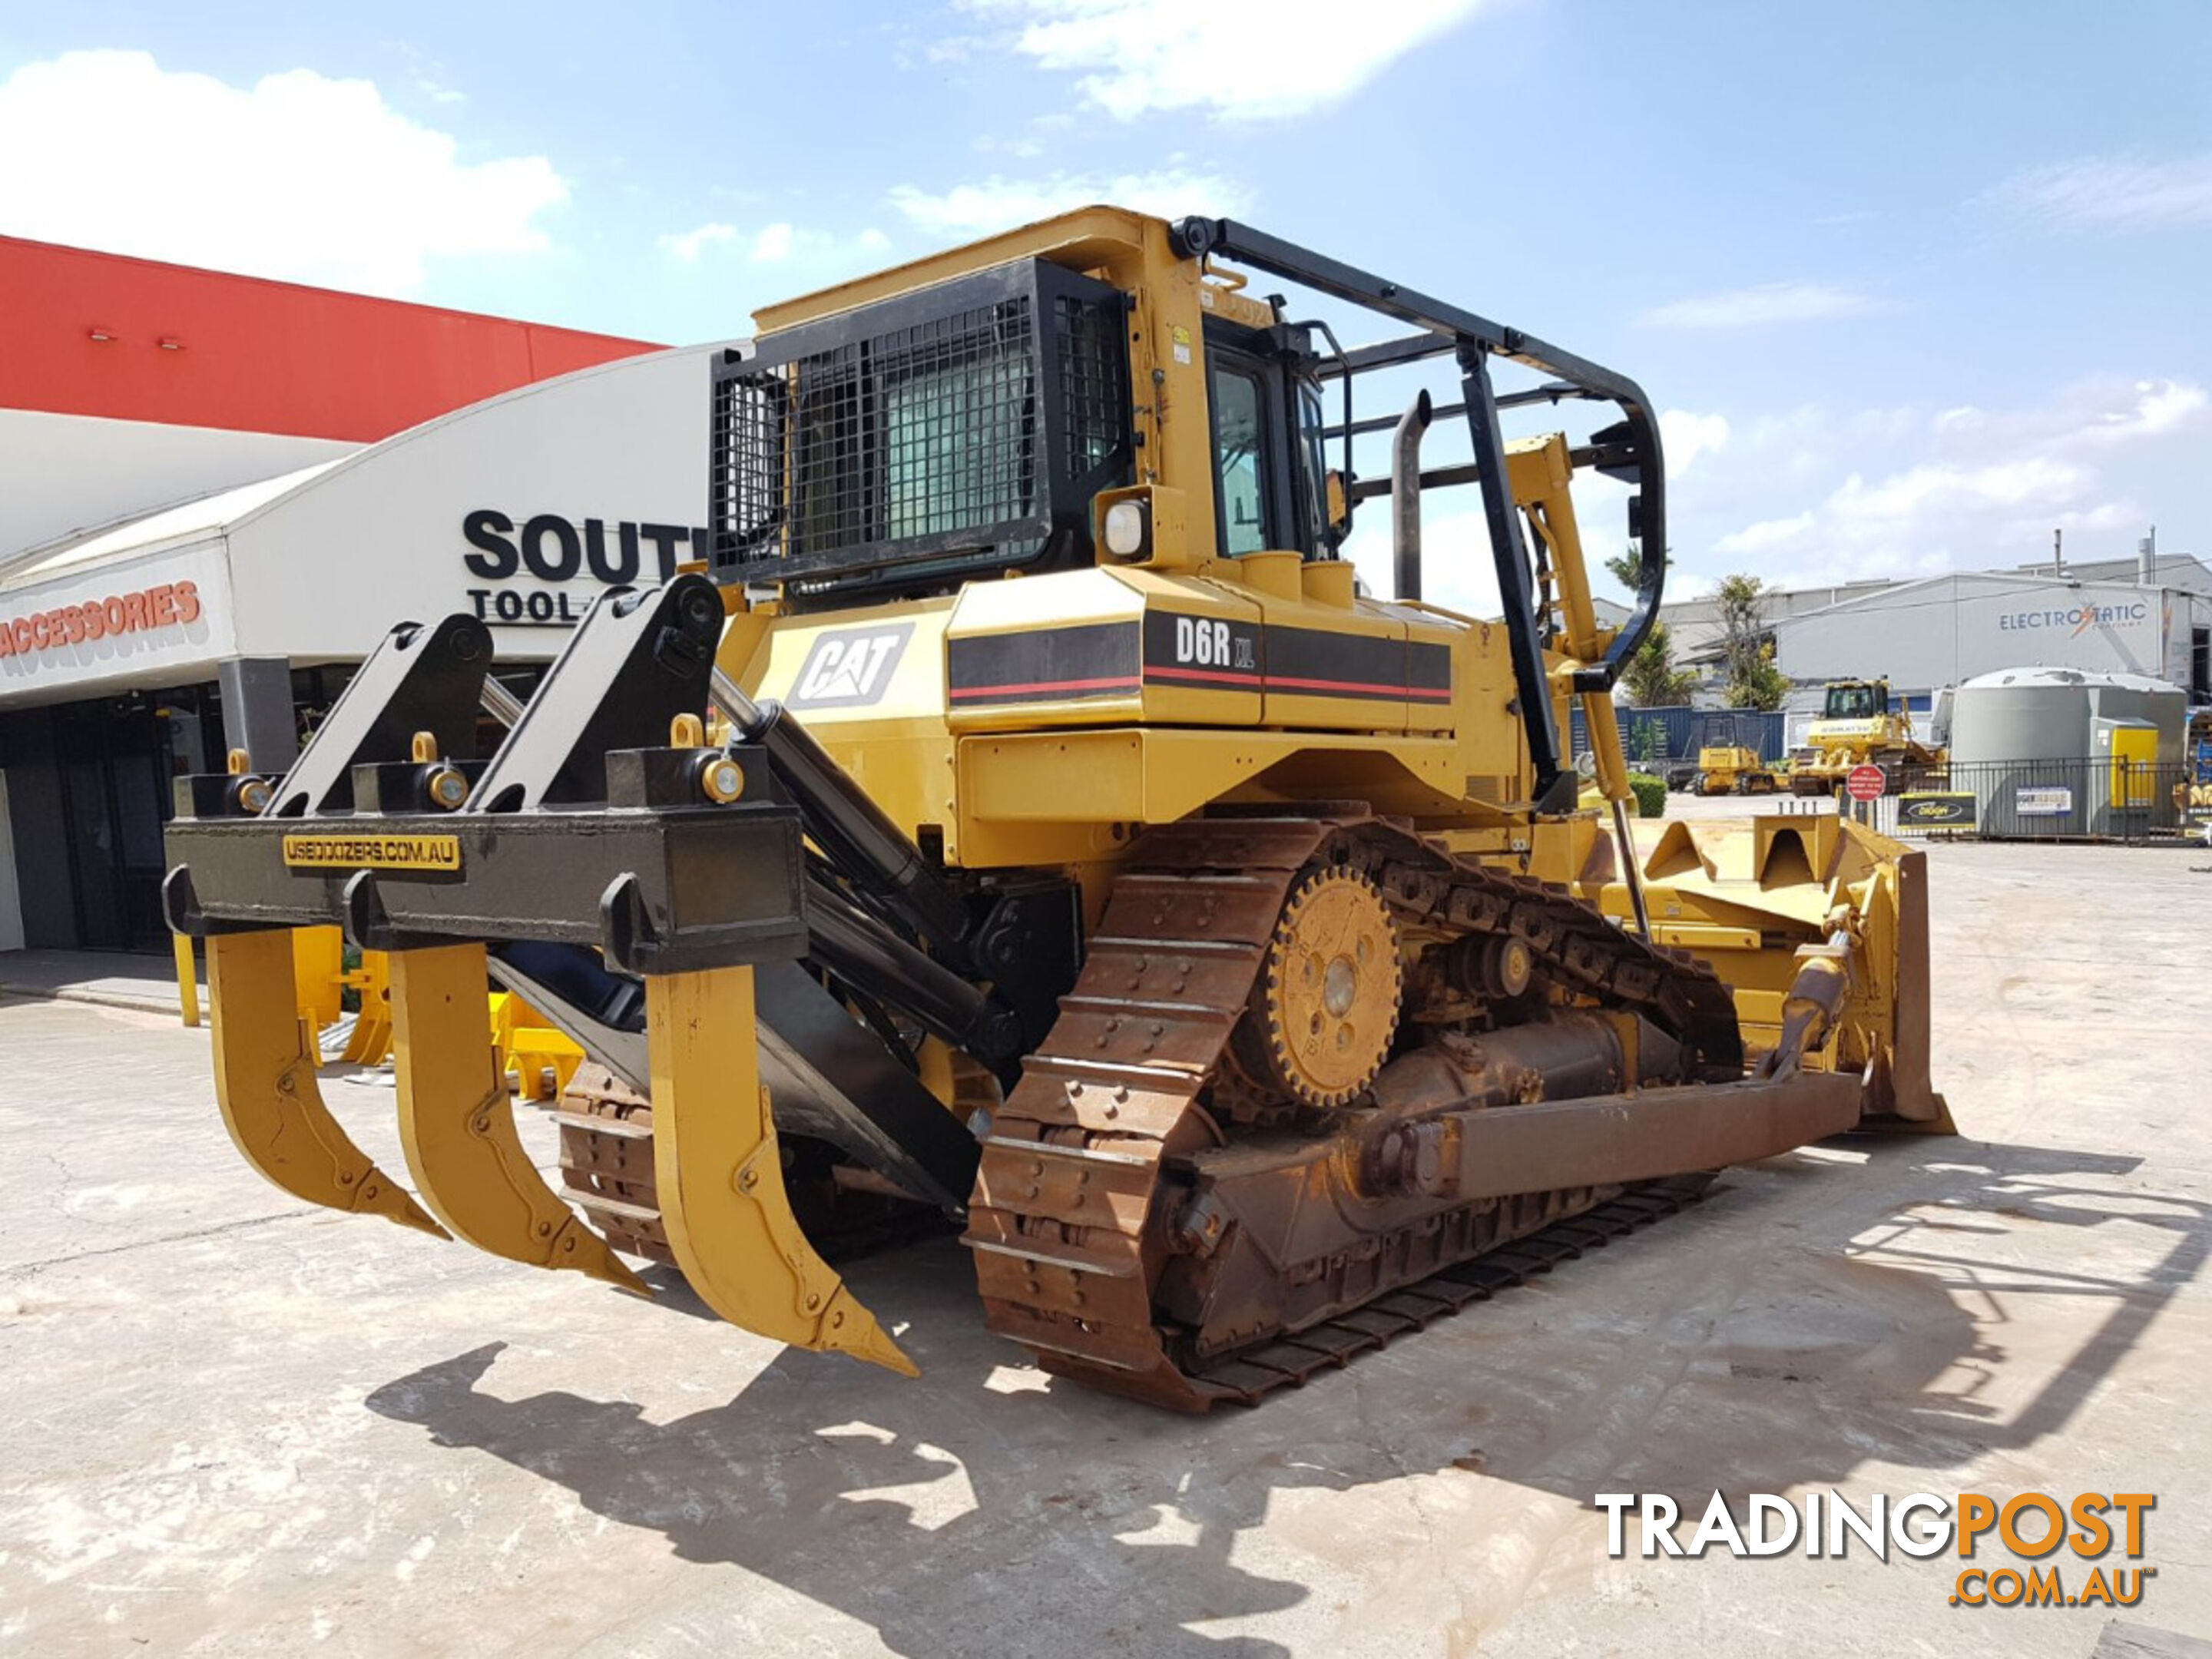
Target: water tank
[(2042, 750), (2021, 715)]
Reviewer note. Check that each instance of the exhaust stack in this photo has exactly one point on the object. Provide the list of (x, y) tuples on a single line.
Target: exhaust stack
[(1406, 496)]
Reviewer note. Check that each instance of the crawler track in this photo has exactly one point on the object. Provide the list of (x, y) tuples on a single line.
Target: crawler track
[(1073, 1222), (607, 1161), (1085, 1161), (1288, 1362)]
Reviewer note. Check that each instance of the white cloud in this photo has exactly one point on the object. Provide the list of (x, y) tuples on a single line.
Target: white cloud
[(296, 177), (780, 243), (1457, 571), (431, 78), (2098, 413), (691, 244), (999, 203), (2158, 406), (2041, 481), (1824, 498), (1136, 56), (1811, 496), (1689, 585), (2113, 193), (1766, 534), (1022, 149), (1772, 302), (1684, 436)]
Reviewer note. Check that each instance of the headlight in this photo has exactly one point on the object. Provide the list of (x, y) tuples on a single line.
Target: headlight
[(1124, 530)]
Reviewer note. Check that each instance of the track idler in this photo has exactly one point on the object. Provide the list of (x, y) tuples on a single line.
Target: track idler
[(603, 819)]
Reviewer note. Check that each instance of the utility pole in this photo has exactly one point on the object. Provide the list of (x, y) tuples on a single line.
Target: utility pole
[(2059, 552)]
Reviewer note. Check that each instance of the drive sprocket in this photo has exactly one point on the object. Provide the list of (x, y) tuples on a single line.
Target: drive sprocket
[(1325, 1005)]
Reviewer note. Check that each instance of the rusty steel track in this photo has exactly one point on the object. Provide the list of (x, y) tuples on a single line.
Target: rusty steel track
[(1289, 1362), (607, 1161), (607, 1172), (1072, 1223)]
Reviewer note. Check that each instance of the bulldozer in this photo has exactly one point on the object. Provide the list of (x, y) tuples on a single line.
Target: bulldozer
[(1858, 727), (1028, 819), (1727, 766)]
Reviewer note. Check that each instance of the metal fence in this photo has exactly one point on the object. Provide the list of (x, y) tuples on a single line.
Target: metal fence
[(1652, 737), (2099, 798)]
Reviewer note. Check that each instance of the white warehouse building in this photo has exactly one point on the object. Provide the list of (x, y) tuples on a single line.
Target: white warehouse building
[(2118, 615), (142, 651)]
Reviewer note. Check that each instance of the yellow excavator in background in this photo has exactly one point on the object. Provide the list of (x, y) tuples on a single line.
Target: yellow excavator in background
[(1029, 820)]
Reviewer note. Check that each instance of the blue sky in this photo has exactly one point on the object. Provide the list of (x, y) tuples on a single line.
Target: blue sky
[(1916, 282)]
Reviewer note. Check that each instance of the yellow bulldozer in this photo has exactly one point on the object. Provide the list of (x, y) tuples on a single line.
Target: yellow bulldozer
[(1728, 766), (1027, 820), (1858, 727)]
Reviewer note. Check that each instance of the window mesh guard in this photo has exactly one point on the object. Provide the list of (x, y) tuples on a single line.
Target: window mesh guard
[(933, 432)]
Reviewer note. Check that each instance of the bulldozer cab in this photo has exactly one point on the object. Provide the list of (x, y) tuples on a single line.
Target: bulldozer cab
[(1857, 700), (1270, 480), (964, 430), (1105, 391)]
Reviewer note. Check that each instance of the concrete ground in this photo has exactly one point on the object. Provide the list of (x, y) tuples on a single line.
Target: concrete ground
[(236, 1425), (114, 978)]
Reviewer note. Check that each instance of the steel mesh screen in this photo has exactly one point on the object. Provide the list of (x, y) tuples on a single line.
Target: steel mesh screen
[(747, 471), (920, 433), (937, 438), (1089, 337), (958, 410)]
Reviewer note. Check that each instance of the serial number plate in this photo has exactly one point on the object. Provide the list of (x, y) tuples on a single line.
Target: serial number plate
[(372, 852)]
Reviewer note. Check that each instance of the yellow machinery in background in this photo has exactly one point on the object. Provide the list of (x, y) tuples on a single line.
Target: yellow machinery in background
[(1858, 727), (538, 1060), (2192, 795), (1030, 820), (1730, 768)]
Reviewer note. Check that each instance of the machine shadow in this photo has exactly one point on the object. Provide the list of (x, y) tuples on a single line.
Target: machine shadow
[(1680, 1363), (817, 1476), (1907, 1328)]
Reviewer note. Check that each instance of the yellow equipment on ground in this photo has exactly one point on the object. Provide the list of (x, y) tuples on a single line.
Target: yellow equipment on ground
[(1858, 727), (1729, 767), (538, 1060), (1031, 820)]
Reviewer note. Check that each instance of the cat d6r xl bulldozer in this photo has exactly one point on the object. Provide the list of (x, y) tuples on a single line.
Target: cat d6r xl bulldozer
[(1028, 818)]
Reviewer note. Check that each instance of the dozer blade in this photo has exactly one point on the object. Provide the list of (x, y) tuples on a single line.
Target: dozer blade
[(265, 1077), (719, 1168), (1909, 1089), (457, 1123)]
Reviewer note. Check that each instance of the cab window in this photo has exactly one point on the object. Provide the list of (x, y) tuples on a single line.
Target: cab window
[(1239, 462), (1313, 468)]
